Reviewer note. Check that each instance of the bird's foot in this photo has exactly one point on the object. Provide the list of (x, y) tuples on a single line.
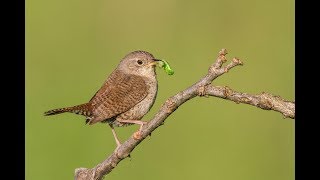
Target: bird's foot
[(137, 135), (118, 146)]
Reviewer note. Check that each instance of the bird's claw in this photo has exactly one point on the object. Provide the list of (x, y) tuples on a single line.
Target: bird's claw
[(137, 135), (117, 148)]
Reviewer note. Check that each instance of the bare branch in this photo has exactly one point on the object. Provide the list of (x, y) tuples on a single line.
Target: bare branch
[(264, 100), (201, 88)]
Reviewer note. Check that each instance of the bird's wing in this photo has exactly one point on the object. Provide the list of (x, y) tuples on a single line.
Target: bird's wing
[(114, 78), (119, 94)]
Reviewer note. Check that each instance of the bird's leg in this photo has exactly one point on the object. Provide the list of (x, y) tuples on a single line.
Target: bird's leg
[(115, 136), (141, 123), (136, 135)]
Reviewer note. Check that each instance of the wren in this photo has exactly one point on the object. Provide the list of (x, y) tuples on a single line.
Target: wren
[(125, 97)]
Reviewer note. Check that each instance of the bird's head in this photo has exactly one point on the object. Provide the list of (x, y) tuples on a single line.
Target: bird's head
[(140, 63)]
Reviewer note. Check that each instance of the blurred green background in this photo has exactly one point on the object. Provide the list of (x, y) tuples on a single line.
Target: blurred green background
[(73, 45)]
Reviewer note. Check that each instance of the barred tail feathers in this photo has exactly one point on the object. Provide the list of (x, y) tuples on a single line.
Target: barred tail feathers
[(56, 111), (83, 109)]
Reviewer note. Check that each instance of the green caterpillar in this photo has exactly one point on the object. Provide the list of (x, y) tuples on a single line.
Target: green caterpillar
[(166, 67)]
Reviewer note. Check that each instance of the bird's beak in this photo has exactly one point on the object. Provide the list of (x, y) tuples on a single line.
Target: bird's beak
[(154, 63)]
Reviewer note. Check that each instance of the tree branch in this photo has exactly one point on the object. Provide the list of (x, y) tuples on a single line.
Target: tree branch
[(203, 87), (264, 100)]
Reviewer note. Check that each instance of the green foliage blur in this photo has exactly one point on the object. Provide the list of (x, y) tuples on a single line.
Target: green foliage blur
[(73, 45)]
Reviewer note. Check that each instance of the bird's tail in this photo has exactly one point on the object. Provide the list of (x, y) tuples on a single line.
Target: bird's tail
[(83, 109)]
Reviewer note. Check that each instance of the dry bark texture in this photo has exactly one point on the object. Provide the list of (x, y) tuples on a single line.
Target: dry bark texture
[(203, 87)]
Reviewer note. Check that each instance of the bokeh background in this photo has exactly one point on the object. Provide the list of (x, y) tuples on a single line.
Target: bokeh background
[(73, 45)]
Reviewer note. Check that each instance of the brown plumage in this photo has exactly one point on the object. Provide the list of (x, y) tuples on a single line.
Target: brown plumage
[(82, 109), (125, 97)]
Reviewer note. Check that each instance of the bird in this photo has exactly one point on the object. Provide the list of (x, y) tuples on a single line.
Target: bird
[(125, 97)]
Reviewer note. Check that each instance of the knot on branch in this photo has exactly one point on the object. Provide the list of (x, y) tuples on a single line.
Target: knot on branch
[(227, 92), (223, 52), (265, 101), (237, 61), (83, 174), (274, 102), (245, 100), (220, 60), (120, 154), (171, 105), (202, 91)]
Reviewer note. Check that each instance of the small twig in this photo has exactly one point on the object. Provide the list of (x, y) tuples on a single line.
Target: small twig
[(202, 88)]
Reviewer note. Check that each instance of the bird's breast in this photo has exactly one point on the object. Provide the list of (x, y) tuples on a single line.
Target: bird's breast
[(143, 107)]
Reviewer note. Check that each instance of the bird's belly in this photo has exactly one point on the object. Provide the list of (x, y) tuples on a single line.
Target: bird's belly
[(139, 110)]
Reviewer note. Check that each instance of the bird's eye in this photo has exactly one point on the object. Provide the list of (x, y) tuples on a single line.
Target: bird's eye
[(139, 62)]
